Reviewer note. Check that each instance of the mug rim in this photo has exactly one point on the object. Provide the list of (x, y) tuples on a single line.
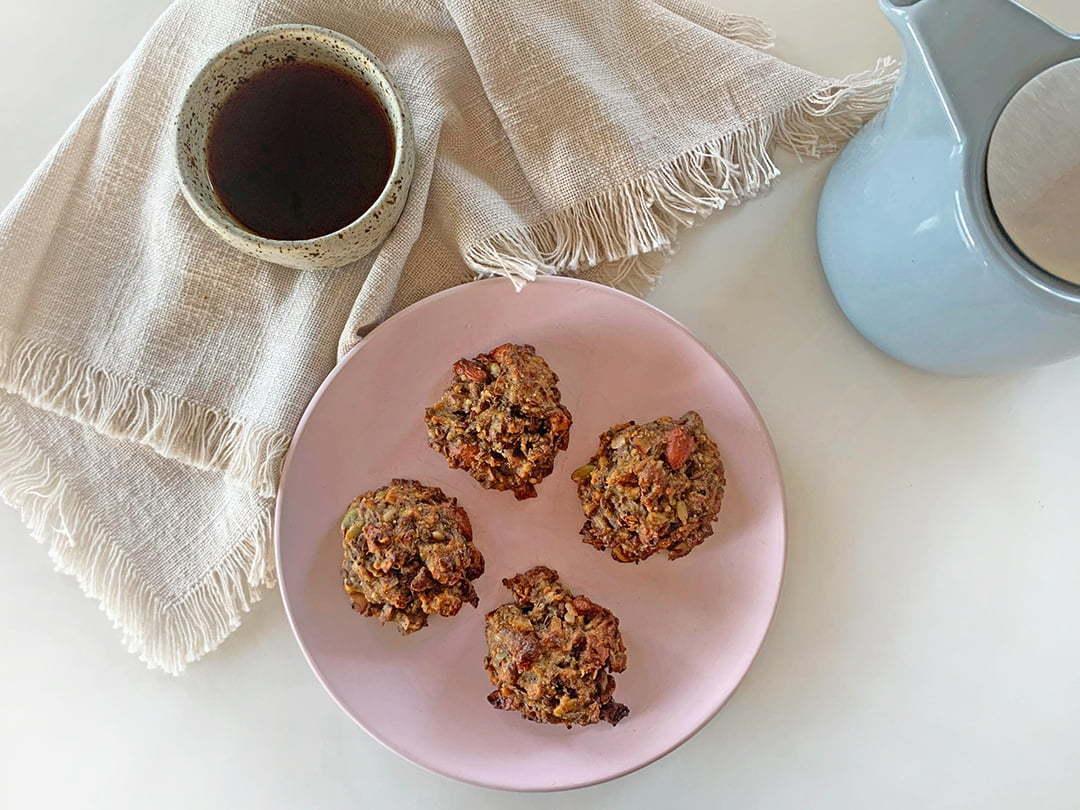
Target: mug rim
[(397, 113)]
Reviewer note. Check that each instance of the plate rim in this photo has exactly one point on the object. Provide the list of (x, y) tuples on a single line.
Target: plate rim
[(495, 784)]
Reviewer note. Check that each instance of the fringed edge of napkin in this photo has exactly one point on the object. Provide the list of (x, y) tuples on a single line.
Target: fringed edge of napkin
[(631, 224), (743, 28), (177, 428), (166, 636)]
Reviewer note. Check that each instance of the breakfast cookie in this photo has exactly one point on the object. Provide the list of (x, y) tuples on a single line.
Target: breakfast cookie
[(651, 487), (408, 554), (550, 654), (501, 420)]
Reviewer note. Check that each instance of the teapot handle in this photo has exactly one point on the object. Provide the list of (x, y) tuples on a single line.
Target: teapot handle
[(978, 52)]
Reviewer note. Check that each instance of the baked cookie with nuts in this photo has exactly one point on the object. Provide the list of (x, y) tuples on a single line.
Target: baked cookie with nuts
[(408, 554), (550, 654), (651, 487), (501, 419)]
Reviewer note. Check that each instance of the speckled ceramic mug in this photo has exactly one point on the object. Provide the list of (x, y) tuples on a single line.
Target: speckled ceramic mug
[(233, 66)]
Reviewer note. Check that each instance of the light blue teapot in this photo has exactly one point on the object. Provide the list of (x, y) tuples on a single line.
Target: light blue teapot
[(949, 228)]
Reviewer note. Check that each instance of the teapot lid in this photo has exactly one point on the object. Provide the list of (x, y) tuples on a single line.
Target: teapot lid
[(1033, 170)]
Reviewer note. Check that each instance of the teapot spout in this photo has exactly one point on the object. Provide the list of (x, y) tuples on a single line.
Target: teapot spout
[(977, 52)]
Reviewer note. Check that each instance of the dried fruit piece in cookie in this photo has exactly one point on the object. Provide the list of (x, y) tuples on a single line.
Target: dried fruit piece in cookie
[(550, 654), (501, 419), (651, 487), (408, 554)]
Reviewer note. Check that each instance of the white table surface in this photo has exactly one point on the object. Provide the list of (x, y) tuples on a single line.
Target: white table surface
[(926, 652)]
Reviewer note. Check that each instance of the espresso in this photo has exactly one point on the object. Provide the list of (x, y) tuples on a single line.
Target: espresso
[(299, 150)]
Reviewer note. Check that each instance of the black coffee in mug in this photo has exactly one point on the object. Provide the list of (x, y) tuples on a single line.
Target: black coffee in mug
[(299, 150)]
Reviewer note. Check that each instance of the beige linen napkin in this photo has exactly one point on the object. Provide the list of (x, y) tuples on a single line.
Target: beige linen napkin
[(152, 376)]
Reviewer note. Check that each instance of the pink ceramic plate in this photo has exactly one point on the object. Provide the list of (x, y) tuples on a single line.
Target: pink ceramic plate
[(691, 626)]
